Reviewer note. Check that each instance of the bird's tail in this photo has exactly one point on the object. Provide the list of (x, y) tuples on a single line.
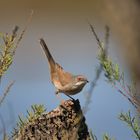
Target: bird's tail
[(47, 53)]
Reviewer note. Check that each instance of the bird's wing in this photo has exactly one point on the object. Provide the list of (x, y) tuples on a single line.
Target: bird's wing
[(63, 77)]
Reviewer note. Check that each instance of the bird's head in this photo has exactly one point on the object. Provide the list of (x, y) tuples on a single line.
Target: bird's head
[(80, 80), (77, 85)]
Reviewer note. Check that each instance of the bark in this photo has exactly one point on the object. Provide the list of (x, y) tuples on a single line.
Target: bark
[(66, 122)]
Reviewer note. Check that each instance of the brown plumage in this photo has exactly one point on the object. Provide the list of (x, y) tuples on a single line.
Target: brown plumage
[(64, 82)]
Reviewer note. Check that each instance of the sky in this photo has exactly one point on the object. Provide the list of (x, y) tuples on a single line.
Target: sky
[(64, 27)]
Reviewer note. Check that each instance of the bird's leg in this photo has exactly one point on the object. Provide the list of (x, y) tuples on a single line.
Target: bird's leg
[(57, 93), (58, 96), (70, 97)]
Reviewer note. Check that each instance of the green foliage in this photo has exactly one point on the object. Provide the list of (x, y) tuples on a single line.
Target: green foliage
[(7, 49), (37, 110), (111, 70), (92, 136), (116, 78), (113, 74), (106, 137), (132, 123), (32, 115), (8, 45)]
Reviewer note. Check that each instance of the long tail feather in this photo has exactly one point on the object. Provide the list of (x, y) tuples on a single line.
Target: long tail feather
[(47, 53)]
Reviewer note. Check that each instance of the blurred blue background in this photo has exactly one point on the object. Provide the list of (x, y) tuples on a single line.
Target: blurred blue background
[(63, 25)]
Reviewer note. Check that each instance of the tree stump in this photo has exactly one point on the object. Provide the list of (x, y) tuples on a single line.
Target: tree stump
[(66, 122)]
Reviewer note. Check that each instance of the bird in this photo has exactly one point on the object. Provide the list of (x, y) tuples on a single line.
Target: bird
[(64, 82)]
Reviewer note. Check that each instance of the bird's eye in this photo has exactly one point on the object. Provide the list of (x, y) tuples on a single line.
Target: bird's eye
[(79, 78)]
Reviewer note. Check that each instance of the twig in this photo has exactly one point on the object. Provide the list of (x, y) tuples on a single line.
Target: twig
[(132, 126), (124, 95), (96, 37), (24, 30), (99, 69), (3, 128), (6, 92), (131, 98), (107, 33)]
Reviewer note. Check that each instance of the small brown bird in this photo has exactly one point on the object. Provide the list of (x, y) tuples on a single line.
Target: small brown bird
[(64, 82)]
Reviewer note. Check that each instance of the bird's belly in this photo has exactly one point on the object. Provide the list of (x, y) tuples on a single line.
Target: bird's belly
[(71, 90), (68, 89)]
